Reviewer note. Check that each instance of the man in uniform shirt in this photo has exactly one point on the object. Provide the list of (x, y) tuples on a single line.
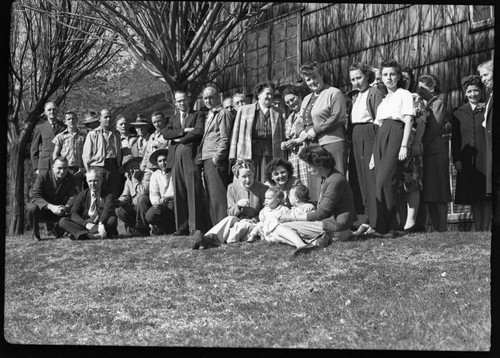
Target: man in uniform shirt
[(102, 152), (69, 144), (156, 141), (141, 126)]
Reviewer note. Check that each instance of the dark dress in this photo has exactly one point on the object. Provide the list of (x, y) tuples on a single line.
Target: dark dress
[(468, 145), (436, 178)]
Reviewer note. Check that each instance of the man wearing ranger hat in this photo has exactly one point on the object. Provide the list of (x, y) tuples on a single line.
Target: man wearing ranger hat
[(141, 126), (161, 216), (134, 201)]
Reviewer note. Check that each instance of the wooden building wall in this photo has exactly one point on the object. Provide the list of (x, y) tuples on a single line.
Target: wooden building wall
[(429, 38)]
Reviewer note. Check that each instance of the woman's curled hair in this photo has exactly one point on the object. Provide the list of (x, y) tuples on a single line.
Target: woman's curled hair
[(273, 164), (317, 156)]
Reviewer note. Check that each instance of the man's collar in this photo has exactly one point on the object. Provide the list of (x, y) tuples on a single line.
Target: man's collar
[(217, 109)]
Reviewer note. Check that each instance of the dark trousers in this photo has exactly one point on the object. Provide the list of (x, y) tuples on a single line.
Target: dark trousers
[(216, 182), (36, 215), (135, 215), (363, 137), (388, 172), (189, 205), (79, 232), (112, 178), (79, 179), (163, 217)]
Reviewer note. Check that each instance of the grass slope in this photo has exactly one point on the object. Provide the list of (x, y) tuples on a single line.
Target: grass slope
[(420, 292)]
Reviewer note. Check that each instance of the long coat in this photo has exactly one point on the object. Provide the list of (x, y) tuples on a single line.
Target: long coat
[(41, 146), (241, 141)]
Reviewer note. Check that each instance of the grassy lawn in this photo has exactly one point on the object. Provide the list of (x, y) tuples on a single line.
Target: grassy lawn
[(419, 292)]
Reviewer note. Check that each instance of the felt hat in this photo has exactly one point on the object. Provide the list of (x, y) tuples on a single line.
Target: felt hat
[(128, 159), (89, 118), (140, 122), (156, 153)]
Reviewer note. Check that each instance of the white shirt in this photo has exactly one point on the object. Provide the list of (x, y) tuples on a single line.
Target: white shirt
[(359, 113), (395, 106), (160, 186)]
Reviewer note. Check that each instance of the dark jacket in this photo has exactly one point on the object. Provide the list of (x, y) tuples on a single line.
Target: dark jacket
[(80, 209), (41, 146), (432, 140), (45, 190), (336, 205), (173, 130)]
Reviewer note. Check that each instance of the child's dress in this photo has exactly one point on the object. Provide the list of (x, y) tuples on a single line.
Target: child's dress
[(268, 221)]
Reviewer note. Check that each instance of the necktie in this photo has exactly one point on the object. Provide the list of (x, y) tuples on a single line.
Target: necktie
[(183, 119), (93, 207)]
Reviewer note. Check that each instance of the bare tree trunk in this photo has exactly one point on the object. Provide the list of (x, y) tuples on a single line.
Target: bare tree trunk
[(17, 156)]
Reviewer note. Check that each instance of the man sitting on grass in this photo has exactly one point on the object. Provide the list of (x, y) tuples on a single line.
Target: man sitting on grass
[(134, 201), (161, 215), (93, 213), (52, 196)]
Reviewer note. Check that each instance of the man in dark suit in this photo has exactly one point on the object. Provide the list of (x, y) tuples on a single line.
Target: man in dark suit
[(93, 213), (52, 196), (185, 130), (214, 151), (41, 146)]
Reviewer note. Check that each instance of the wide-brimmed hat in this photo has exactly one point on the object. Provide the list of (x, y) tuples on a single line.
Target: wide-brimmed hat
[(128, 159), (140, 122), (89, 118), (156, 153)]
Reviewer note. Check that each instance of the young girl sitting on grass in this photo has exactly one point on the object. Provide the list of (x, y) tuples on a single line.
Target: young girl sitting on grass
[(300, 200), (269, 216), (245, 199)]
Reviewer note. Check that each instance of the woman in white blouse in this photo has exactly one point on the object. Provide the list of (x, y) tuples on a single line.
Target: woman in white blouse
[(363, 114), (395, 118)]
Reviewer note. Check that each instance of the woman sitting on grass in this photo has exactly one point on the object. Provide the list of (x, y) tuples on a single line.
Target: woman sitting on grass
[(335, 212), (279, 174), (245, 199), (269, 215)]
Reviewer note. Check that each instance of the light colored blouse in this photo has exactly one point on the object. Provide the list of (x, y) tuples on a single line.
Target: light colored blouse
[(360, 113), (395, 106)]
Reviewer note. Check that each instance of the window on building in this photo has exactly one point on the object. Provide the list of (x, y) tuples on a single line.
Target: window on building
[(481, 16), (272, 52)]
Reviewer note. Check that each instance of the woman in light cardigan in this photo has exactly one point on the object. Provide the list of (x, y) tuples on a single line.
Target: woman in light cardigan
[(258, 131), (323, 115)]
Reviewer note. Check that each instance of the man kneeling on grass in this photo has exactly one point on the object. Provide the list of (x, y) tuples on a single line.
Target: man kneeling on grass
[(52, 196), (134, 201), (93, 213)]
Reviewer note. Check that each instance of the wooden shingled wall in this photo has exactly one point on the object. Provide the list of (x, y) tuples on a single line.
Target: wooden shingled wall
[(437, 39)]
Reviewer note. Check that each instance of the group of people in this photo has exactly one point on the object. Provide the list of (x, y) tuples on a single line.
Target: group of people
[(241, 172)]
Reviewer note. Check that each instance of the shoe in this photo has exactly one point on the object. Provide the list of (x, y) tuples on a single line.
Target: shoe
[(413, 230), (198, 239), (36, 237), (372, 232), (57, 231), (91, 236), (252, 238), (210, 241), (181, 232), (324, 240), (305, 249), (361, 229), (154, 230)]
